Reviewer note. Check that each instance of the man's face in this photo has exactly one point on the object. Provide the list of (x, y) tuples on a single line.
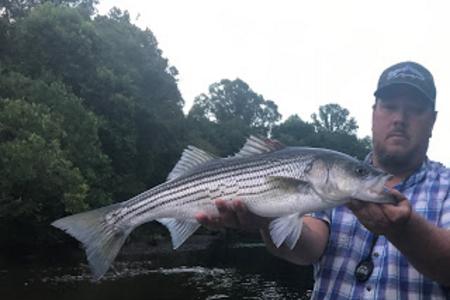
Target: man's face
[(402, 123)]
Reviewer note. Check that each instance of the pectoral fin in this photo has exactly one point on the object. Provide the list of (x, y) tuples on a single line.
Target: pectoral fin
[(180, 230), (286, 229)]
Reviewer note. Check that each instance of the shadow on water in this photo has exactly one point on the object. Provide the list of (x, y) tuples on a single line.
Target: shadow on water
[(237, 271)]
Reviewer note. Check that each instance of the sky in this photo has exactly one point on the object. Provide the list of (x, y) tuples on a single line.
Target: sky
[(302, 54)]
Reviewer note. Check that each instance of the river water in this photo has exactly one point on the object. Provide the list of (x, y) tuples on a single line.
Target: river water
[(238, 271)]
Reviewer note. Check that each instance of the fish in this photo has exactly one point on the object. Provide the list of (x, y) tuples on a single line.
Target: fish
[(272, 180)]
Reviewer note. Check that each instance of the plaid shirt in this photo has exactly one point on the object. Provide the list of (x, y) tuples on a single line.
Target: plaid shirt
[(393, 277)]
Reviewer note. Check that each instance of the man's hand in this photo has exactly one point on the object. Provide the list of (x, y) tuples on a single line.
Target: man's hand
[(233, 214), (383, 219)]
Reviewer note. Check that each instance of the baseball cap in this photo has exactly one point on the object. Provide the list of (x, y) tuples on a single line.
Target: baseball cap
[(410, 74)]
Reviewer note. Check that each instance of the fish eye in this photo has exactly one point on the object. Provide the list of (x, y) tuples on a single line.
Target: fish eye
[(361, 171)]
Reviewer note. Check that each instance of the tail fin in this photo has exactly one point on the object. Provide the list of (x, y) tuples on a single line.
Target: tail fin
[(101, 240)]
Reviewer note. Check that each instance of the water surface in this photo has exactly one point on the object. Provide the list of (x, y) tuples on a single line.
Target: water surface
[(240, 271)]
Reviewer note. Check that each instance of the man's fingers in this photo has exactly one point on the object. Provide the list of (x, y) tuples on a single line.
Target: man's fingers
[(242, 213), (232, 214), (212, 222), (399, 196), (355, 205), (247, 219), (381, 218), (240, 209), (227, 214), (202, 218)]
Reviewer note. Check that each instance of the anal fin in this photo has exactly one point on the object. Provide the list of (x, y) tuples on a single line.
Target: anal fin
[(180, 230)]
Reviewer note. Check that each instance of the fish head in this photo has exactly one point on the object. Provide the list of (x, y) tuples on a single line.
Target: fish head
[(366, 183), (342, 178)]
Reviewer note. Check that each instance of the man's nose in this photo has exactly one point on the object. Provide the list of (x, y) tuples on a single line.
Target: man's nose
[(400, 115)]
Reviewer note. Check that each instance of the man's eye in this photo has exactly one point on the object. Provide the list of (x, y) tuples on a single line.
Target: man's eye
[(389, 107), (417, 110)]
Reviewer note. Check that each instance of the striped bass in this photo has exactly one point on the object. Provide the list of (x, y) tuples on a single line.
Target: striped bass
[(274, 181)]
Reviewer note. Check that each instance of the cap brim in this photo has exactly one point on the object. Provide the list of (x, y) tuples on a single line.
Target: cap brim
[(389, 89)]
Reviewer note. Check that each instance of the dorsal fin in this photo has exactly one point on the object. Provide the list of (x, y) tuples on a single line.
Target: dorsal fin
[(191, 157), (255, 145)]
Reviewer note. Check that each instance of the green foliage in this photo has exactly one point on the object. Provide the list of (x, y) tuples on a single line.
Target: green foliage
[(294, 131), (79, 128), (221, 120), (37, 179), (118, 70), (112, 101), (234, 100), (334, 118), (135, 92), (56, 42), (11, 10), (4, 40), (221, 139), (50, 157)]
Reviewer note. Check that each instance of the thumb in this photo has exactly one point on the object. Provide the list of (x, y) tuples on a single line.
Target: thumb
[(355, 205)]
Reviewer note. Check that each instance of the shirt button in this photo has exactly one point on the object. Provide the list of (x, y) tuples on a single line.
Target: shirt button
[(375, 254)]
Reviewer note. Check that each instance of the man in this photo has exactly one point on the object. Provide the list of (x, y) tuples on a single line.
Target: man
[(379, 251)]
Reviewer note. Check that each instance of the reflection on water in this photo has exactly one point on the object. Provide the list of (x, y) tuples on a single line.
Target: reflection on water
[(244, 271)]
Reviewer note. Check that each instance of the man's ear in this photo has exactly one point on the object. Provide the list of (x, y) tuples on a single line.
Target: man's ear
[(374, 106), (430, 134)]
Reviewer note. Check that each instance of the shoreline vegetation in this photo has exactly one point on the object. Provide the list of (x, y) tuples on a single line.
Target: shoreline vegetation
[(148, 241)]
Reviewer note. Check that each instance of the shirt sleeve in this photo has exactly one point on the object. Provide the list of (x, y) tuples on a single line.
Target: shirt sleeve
[(444, 221), (445, 216)]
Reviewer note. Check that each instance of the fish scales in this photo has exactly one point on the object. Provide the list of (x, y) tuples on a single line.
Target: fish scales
[(173, 197), (169, 194), (250, 174), (168, 186)]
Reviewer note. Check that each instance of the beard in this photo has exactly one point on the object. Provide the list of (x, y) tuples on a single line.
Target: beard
[(399, 161), (394, 160)]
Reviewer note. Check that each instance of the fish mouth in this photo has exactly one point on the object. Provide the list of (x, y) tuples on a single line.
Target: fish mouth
[(377, 192)]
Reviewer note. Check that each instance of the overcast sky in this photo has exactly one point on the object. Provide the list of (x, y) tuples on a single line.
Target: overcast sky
[(302, 54)]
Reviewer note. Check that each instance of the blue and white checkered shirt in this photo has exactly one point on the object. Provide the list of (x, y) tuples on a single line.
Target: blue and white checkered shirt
[(393, 277)]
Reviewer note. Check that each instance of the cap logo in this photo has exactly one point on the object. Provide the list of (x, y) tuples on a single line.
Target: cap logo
[(405, 72)]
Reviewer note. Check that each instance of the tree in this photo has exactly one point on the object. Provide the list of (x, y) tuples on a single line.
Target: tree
[(135, 90), (78, 139), (51, 162), (336, 135), (11, 10), (38, 181), (234, 100), (342, 142), (294, 131), (113, 103), (334, 118), (56, 43), (119, 72)]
